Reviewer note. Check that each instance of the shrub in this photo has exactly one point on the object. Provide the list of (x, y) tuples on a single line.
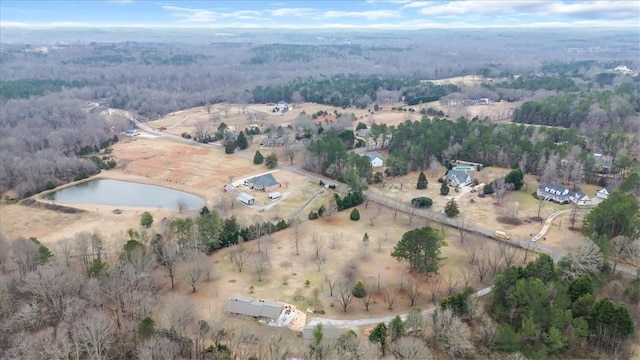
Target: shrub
[(488, 189), (451, 209), (258, 158), (313, 215), (422, 181), (355, 215), (421, 202), (444, 189)]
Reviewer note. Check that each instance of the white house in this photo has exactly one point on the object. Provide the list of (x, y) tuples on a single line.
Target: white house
[(561, 195), (604, 193), (376, 159)]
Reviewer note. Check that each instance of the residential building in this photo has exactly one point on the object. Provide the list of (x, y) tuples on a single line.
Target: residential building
[(561, 195), (604, 193), (376, 159), (259, 309), (264, 182), (281, 107), (458, 178)]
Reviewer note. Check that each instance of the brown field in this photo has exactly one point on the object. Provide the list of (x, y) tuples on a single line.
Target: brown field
[(205, 170)]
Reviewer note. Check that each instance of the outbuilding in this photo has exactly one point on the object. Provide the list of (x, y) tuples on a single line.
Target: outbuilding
[(274, 195), (246, 199)]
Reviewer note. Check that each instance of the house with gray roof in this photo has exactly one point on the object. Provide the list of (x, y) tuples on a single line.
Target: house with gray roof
[(561, 195), (259, 309), (604, 192), (458, 178), (264, 182)]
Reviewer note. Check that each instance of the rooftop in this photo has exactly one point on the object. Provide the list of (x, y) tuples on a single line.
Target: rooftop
[(265, 180)]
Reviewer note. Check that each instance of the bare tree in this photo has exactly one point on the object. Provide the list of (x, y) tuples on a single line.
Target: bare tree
[(588, 261), (390, 295), (450, 334), (471, 248), (500, 188), (182, 205), (434, 285), (368, 297), (201, 130), (240, 256), (452, 283), (290, 150), (331, 282), (195, 268), (261, 265), (415, 323), (624, 248), (25, 255), (481, 269), (413, 291), (159, 348), (411, 213), (335, 238), (167, 252), (464, 225), (493, 260), (65, 247), (351, 271), (467, 275), (94, 335), (319, 256), (344, 295), (297, 233), (526, 251), (508, 253), (411, 348), (330, 208)]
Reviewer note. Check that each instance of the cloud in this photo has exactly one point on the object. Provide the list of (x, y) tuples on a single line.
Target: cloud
[(203, 15), (297, 12), (369, 15)]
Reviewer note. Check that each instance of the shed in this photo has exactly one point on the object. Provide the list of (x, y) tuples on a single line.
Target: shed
[(376, 159), (274, 195), (246, 199)]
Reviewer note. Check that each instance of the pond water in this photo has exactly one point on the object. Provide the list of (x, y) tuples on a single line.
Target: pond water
[(124, 193)]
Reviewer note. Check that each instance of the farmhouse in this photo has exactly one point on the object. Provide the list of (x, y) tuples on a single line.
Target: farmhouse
[(259, 309), (458, 178), (604, 192), (264, 182), (246, 199), (561, 195), (376, 159)]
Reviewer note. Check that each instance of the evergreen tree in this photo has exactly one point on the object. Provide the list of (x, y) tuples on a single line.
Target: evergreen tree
[(422, 181), (515, 177), (396, 327), (444, 188), (146, 219), (359, 290), (355, 215), (271, 160), (241, 141), (229, 146), (379, 335), (258, 158), (451, 209)]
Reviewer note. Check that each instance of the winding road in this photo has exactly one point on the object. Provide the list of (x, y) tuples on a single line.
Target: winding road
[(531, 244)]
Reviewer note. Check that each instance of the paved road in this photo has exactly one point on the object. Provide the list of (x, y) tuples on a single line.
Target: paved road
[(547, 224), (372, 321)]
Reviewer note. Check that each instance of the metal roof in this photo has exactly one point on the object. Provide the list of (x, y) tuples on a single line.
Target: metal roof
[(245, 197), (251, 307)]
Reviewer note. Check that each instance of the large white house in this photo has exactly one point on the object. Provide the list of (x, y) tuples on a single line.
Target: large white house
[(561, 195)]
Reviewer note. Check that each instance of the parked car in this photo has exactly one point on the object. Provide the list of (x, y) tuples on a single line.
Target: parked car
[(481, 195)]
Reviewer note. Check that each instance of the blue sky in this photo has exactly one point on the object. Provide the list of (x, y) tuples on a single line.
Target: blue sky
[(371, 14)]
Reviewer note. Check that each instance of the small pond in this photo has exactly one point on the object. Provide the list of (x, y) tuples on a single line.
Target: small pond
[(123, 193)]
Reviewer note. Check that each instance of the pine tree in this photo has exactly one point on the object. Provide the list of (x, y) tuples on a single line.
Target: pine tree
[(258, 158), (444, 188), (359, 290), (451, 209), (241, 141), (422, 181)]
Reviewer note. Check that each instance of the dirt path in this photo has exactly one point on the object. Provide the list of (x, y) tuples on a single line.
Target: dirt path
[(547, 224)]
